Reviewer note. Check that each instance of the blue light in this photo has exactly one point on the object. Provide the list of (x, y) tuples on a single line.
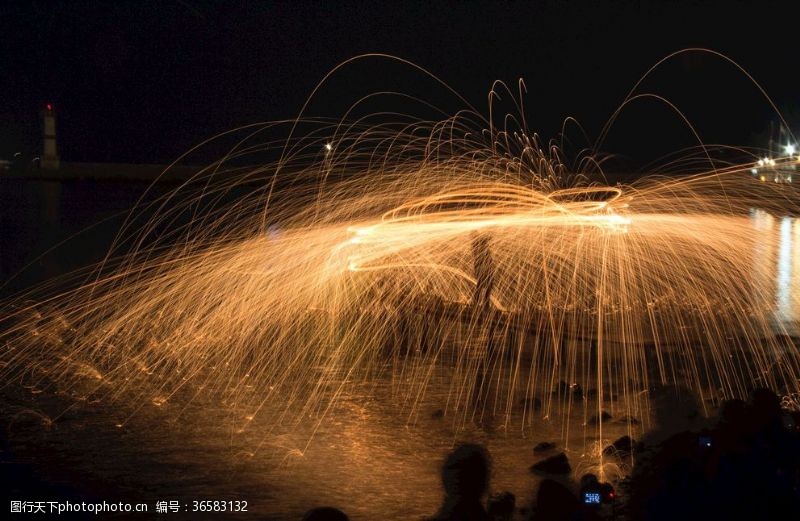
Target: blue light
[(591, 498)]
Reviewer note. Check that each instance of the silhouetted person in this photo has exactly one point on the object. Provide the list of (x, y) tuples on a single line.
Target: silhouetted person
[(666, 475), (730, 431), (746, 467), (465, 476), (325, 514), (483, 267), (484, 271)]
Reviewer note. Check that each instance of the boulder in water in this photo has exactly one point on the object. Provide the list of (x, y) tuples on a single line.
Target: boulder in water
[(630, 420), (622, 447), (602, 417), (558, 464), (545, 446), (501, 506)]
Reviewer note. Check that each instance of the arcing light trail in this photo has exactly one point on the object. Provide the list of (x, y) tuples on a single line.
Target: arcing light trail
[(612, 287), (362, 268), (499, 206)]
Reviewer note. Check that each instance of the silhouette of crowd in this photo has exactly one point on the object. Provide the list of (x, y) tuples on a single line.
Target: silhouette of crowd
[(745, 466)]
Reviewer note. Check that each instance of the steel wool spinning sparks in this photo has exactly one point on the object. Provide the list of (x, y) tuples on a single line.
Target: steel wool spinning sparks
[(499, 206), (372, 265)]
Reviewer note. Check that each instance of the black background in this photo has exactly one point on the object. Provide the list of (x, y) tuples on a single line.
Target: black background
[(144, 81)]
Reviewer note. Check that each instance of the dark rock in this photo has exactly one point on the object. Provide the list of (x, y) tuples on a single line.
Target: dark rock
[(558, 464), (545, 446), (622, 447), (562, 389), (535, 404), (438, 413), (566, 391), (501, 506), (465, 472), (595, 419), (630, 420)]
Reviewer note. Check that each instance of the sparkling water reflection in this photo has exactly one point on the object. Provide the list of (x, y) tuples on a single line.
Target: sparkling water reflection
[(777, 257)]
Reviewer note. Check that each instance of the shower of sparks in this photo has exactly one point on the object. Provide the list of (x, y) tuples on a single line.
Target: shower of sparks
[(361, 266)]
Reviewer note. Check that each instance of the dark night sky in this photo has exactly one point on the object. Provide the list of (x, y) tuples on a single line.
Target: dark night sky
[(143, 81)]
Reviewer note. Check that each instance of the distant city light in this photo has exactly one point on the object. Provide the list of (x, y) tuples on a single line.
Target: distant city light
[(328, 147), (769, 169)]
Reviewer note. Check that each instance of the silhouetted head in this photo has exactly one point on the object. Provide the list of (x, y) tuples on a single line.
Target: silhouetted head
[(325, 514), (589, 481), (466, 471)]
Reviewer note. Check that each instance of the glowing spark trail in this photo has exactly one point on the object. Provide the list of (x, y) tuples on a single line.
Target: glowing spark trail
[(362, 268)]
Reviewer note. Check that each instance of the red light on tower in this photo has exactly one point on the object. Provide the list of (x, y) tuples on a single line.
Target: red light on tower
[(49, 107)]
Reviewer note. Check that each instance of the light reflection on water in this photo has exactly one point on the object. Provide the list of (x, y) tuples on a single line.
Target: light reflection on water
[(362, 456), (777, 258)]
